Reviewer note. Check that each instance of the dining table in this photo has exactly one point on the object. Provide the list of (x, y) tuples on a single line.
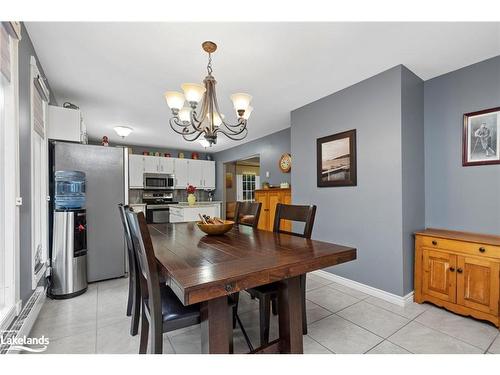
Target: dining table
[(205, 270)]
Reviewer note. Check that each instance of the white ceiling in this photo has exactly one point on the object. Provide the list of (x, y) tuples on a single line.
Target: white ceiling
[(117, 72)]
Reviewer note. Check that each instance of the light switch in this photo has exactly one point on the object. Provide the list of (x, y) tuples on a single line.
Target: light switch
[(19, 201), (267, 174)]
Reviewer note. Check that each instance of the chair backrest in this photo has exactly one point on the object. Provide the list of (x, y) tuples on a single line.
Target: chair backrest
[(230, 210), (292, 212), (132, 264), (247, 213), (147, 269)]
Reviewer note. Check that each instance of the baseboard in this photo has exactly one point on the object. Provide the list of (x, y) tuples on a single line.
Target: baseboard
[(379, 293)]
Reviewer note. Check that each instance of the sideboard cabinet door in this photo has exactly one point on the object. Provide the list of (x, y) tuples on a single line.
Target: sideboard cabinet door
[(478, 283), (439, 277)]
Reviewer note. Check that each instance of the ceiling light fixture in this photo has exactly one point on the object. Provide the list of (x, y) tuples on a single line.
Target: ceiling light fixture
[(123, 131), (210, 121), (204, 143)]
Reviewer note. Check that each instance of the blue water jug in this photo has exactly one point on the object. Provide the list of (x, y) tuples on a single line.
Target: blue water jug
[(70, 190)]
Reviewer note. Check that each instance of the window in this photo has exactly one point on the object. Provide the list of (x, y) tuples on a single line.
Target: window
[(248, 187)]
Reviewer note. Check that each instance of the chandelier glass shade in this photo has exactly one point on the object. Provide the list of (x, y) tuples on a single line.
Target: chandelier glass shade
[(195, 112)]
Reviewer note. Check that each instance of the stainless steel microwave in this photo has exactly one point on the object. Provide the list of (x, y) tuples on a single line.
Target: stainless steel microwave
[(159, 181)]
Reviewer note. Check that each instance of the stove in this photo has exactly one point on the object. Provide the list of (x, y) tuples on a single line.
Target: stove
[(157, 206)]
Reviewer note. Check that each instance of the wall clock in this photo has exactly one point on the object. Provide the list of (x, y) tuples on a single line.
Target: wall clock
[(285, 163)]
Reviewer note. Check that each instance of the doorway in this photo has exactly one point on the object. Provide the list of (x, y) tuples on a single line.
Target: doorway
[(241, 178)]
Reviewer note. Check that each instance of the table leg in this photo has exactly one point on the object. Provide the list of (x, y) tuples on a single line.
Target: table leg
[(216, 326), (290, 316)]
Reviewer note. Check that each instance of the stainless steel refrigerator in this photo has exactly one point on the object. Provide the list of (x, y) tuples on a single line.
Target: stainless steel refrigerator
[(106, 171)]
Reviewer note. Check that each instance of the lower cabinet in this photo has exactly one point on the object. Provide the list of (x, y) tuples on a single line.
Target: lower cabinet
[(180, 214), (455, 271), (269, 199)]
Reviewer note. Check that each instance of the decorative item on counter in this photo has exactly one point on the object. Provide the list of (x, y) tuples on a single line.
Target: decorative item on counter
[(145, 153), (284, 185), (157, 153), (191, 197), (209, 157), (265, 185), (151, 153), (195, 156), (181, 155), (167, 155), (105, 141)]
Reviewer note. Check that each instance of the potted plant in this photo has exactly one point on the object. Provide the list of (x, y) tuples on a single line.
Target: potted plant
[(191, 197)]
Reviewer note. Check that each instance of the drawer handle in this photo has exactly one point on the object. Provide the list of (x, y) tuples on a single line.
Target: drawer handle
[(452, 269), (434, 242), (482, 249), (459, 270)]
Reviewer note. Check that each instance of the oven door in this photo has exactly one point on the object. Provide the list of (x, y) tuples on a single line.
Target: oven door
[(157, 215)]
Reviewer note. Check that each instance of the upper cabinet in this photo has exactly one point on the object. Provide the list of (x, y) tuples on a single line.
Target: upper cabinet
[(66, 124), (199, 173), (136, 171)]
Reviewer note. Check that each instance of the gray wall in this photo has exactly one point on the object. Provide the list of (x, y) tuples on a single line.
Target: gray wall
[(268, 148), (26, 50), (368, 216), (413, 173), (461, 198)]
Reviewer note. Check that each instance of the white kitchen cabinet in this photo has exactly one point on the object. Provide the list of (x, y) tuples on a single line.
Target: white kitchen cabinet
[(184, 213), (65, 124), (209, 174), (195, 173), (181, 167), (166, 165), (136, 171), (151, 164)]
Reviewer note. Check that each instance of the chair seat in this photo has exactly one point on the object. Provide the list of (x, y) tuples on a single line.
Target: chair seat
[(247, 219), (266, 289), (174, 314)]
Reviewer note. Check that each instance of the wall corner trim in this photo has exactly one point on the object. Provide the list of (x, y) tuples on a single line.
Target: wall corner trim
[(379, 293)]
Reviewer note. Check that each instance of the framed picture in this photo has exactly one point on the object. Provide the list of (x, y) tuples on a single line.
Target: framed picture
[(336, 159), (481, 137)]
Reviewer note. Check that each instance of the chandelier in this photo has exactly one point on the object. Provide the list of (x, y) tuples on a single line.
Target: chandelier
[(209, 122)]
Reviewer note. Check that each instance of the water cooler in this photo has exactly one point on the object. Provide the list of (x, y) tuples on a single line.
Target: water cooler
[(69, 236)]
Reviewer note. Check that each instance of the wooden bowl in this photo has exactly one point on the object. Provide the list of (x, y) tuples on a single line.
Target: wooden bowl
[(216, 229)]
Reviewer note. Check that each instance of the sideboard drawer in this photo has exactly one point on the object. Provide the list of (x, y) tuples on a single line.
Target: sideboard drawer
[(470, 248)]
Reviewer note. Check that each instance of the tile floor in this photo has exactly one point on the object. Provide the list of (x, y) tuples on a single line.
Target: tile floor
[(341, 320)]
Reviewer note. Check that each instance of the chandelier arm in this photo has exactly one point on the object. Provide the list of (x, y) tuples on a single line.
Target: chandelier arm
[(195, 138), (235, 129), (183, 128), (233, 136)]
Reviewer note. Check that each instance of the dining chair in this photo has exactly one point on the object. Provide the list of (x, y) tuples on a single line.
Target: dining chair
[(134, 293), (247, 213), (162, 311), (268, 294)]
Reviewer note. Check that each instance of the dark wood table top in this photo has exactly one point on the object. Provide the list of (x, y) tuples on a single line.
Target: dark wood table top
[(200, 267)]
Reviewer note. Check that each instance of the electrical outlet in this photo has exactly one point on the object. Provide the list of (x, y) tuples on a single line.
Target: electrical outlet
[(19, 201)]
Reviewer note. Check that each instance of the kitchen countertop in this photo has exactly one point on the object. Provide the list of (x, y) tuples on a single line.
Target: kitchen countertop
[(197, 204)]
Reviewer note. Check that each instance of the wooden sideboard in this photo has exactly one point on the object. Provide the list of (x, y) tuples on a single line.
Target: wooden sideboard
[(459, 271), (269, 199)]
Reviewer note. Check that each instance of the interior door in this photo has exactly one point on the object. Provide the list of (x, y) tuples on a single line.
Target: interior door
[(439, 278), (478, 283), (264, 210)]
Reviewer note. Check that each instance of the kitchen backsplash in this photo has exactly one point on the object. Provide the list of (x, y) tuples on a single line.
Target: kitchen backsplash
[(180, 195)]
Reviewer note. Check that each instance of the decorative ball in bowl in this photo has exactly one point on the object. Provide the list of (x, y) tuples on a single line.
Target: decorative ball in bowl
[(216, 229)]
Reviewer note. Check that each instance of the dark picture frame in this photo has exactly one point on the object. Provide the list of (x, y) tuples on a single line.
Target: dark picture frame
[(481, 147), (336, 160)]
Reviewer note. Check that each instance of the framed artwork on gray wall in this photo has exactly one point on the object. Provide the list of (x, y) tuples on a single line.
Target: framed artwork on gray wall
[(481, 137), (336, 159)]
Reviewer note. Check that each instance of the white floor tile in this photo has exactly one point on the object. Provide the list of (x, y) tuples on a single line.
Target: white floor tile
[(410, 311), (421, 339), (330, 298), (387, 347)]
